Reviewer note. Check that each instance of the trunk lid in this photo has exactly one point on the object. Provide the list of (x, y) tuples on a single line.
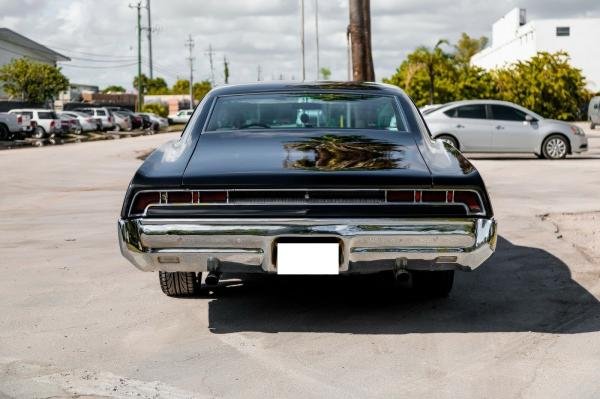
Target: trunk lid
[(304, 159)]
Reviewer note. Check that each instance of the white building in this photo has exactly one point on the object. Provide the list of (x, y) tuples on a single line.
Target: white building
[(14, 45), (515, 39)]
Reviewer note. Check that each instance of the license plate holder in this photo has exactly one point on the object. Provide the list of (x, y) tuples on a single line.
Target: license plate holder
[(308, 258)]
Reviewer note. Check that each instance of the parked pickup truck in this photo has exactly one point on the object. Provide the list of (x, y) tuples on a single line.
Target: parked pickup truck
[(13, 125)]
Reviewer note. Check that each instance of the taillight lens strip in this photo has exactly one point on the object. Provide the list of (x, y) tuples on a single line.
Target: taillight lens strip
[(144, 199)]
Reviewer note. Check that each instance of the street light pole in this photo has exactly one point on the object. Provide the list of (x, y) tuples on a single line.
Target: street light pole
[(317, 36), (190, 45), (149, 39), (302, 39)]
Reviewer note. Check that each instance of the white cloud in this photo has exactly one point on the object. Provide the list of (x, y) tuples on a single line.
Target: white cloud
[(250, 33)]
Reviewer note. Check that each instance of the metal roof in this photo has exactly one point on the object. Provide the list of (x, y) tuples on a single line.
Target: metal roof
[(17, 39)]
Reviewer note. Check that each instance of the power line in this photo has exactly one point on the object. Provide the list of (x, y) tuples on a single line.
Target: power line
[(98, 67)]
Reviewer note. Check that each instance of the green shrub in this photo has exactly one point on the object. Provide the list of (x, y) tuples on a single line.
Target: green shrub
[(156, 108)]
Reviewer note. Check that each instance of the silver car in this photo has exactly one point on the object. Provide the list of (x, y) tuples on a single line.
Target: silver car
[(594, 112), (500, 126)]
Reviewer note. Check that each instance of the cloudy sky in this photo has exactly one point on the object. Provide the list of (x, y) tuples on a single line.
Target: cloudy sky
[(100, 36)]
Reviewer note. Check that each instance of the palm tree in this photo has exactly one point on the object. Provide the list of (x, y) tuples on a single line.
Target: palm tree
[(428, 59)]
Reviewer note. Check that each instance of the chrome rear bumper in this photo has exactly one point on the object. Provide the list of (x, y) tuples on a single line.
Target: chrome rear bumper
[(367, 245)]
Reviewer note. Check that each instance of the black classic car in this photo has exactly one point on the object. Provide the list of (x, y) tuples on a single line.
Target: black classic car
[(306, 178)]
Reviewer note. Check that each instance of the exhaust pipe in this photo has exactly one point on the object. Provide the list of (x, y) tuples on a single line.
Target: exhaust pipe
[(402, 275), (212, 279)]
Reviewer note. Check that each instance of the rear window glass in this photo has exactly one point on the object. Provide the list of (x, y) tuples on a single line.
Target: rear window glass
[(305, 110), (100, 112), (47, 115)]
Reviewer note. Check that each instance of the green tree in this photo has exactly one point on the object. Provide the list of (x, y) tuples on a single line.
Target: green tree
[(157, 86), (546, 84), (467, 47), (200, 89), (114, 89), (416, 79), (430, 61), (182, 86), (325, 73), (32, 81), (226, 70), (152, 86), (156, 108)]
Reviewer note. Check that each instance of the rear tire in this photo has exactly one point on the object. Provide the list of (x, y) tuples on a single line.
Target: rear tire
[(4, 132), (592, 125), (39, 133), (448, 139), (179, 284), (433, 284)]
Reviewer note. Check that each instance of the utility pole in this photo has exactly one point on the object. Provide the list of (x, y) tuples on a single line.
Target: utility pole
[(302, 38), (359, 31), (140, 99), (210, 52), (190, 45), (149, 38), (317, 36)]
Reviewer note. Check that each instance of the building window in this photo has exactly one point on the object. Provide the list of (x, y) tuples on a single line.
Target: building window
[(563, 31)]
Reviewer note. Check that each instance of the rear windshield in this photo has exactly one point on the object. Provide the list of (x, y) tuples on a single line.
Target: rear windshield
[(47, 115), (301, 111)]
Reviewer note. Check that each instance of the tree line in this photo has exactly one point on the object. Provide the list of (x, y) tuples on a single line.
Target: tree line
[(547, 83)]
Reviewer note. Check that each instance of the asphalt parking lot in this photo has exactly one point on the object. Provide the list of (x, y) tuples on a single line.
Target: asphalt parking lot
[(77, 320)]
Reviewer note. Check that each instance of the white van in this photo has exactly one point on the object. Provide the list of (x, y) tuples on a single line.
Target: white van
[(594, 112)]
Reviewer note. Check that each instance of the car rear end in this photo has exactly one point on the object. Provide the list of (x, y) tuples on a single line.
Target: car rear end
[(351, 197)]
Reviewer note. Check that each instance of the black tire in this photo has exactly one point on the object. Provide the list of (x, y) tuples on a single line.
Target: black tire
[(592, 125), (436, 284), (179, 284), (448, 139), (38, 133), (4, 132), (561, 149)]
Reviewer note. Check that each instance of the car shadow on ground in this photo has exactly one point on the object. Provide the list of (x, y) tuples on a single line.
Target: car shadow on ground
[(519, 289)]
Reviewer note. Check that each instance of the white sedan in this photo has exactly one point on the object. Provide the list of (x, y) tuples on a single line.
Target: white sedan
[(183, 116)]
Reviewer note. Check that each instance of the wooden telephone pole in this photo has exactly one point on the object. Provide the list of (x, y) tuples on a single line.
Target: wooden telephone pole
[(359, 32)]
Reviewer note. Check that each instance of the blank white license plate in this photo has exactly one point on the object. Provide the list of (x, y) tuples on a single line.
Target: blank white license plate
[(306, 258)]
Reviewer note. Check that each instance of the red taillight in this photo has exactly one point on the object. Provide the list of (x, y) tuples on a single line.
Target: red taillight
[(433, 196), (20, 119), (52, 124), (109, 119), (179, 197), (470, 199), (213, 196), (142, 200), (401, 196)]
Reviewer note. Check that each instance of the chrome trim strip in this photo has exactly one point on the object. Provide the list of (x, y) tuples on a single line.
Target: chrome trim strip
[(417, 243)]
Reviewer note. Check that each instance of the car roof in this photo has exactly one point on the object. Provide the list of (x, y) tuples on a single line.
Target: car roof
[(365, 87), (454, 104), (31, 109)]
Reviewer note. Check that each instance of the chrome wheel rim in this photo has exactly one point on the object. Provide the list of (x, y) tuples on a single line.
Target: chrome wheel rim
[(556, 148)]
